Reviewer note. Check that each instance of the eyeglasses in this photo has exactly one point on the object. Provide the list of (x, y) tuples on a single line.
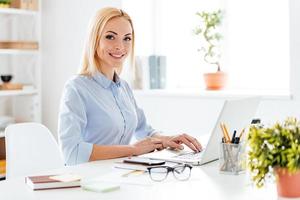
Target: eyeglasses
[(181, 172)]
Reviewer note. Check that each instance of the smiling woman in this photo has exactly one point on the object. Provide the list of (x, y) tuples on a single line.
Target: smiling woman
[(116, 39), (99, 114)]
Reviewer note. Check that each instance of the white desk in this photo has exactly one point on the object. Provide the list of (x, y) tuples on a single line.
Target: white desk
[(206, 183)]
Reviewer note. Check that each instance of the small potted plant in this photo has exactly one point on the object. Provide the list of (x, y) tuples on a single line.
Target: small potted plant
[(275, 153), (208, 30)]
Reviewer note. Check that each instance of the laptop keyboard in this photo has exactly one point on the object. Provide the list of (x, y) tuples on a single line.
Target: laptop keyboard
[(191, 156)]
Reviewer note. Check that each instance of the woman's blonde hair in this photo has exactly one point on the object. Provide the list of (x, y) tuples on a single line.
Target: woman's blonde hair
[(90, 61)]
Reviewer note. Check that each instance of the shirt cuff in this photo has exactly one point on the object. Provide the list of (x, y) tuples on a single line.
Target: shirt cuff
[(84, 152)]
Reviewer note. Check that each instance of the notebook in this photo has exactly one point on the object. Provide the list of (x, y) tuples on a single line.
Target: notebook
[(237, 114), (52, 181)]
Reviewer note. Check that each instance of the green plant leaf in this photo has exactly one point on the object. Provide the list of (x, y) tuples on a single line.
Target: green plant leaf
[(274, 146), (210, 22)]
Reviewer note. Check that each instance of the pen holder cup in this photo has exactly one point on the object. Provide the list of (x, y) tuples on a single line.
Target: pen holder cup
[(232, 158)]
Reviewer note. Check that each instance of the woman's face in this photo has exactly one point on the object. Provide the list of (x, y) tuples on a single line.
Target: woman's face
[(115, 42)]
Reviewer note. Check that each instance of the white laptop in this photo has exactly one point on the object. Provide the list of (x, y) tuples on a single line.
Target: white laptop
[(237, 114)]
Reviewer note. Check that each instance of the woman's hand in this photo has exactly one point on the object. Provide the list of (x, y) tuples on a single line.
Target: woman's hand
[(175, 142), (147, 145)]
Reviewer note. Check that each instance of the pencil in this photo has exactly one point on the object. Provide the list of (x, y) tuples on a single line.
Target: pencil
[(226, 131), (136, 172), (226, 136), (241, 134), (222, 129)]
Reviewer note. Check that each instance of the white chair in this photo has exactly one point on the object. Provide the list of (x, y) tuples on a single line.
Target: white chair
[(30, 148)]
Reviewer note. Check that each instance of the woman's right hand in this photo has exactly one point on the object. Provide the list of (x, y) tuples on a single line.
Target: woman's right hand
[(147, 145)]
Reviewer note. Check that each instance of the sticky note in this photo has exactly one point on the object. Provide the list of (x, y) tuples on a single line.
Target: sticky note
[(66, 177), (100, 187)]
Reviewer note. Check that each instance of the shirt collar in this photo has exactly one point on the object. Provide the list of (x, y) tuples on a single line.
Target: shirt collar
[(105, 82)]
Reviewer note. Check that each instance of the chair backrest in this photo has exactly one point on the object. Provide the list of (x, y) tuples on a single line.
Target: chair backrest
[(30, 148)]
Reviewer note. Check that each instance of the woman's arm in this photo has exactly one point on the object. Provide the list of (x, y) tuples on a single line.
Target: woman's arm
[(71, 123), (147, 145), (101, 152)]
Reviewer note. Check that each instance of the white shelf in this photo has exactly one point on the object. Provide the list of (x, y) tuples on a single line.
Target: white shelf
[(6, 93), (14, 11), (1, 136), (18, 52)]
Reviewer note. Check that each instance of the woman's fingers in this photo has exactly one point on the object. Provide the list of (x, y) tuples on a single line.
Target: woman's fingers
[(174, 145), (187, 142), (194, 141), (158, 146), (155, 143), (150, 144)]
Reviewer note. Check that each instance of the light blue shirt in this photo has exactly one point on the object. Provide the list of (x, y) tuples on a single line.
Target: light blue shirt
[(96, 110)]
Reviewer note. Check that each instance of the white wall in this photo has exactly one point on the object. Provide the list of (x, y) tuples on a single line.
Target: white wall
[(64, 26), (295, 46)]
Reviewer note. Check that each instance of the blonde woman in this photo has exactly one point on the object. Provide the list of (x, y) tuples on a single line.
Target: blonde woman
[(98, 114)]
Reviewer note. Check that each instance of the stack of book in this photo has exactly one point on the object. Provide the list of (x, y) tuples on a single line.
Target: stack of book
[(157, 70), (53, 181)]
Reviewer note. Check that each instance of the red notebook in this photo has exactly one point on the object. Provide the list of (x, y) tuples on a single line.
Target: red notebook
[(45, 182)]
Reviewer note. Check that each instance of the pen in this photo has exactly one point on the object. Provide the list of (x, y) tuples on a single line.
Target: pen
[(233, 136), (236, 140)]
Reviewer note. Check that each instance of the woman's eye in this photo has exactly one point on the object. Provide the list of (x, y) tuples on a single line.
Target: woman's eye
[(127, 38), (110, 37)]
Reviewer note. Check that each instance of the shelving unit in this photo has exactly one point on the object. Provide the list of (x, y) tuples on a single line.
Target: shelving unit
[(14, 54), (23, 64)]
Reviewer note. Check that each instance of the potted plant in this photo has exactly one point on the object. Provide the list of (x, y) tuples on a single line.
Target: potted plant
[(275, 153), (208, 30)]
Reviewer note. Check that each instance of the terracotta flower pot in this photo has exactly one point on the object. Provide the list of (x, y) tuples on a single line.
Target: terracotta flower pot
[(215, 81), (287, 184)]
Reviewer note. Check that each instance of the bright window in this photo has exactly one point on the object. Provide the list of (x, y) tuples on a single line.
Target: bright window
[(256, 41)]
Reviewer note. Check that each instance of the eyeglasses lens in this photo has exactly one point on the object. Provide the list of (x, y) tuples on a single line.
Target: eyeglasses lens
[(182, 172)]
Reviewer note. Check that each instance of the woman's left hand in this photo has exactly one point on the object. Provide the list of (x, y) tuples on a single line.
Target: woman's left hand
[(175, 142)]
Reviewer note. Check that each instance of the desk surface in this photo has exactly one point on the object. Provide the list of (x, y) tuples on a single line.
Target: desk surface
[(206, 183)]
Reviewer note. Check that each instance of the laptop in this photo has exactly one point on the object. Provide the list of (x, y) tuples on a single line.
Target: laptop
[(237, 114)]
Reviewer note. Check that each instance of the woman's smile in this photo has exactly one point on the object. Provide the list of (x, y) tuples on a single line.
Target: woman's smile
[(117, 55)]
